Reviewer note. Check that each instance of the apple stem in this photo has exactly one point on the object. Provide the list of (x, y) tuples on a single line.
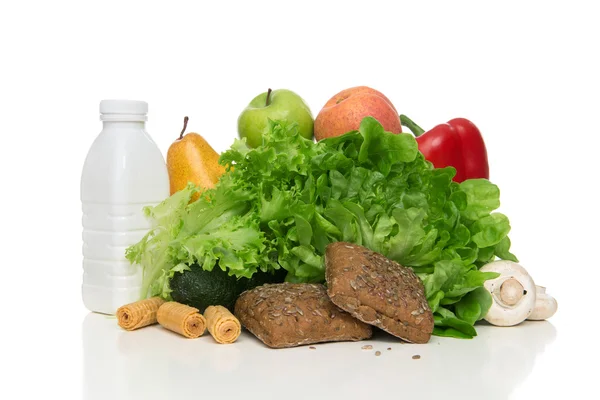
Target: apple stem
[(268, 97), (185, 121)]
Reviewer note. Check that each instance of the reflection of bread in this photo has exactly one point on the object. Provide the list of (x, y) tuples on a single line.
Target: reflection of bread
[(287, 315), (378, 291)]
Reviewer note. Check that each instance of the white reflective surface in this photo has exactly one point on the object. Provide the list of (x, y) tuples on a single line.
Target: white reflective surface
[(155, 363)]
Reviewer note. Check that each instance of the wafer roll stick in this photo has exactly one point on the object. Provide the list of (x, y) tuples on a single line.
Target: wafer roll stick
[(224, 327), (139, 314), (182, 319)]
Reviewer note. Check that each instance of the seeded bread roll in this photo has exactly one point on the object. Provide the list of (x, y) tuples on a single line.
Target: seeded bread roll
[(288, 315), (378, 291)]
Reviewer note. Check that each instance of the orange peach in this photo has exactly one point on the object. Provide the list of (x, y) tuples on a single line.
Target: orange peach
[(344, 112)]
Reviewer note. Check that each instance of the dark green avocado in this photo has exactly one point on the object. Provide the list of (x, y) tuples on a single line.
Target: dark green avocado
[(199, 288)]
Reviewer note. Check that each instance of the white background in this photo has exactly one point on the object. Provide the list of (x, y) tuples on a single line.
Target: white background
[(527, 73)]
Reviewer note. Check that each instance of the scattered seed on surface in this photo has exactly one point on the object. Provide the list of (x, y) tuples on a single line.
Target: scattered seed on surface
[(416, 357), (378, 353), (312, 348), (367, 347), (389, 348)]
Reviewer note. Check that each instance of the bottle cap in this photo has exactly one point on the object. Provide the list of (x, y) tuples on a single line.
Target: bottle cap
[(123, 110)]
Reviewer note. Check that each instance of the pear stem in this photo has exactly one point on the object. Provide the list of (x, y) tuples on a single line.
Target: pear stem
[(185, 121), (268, 97)]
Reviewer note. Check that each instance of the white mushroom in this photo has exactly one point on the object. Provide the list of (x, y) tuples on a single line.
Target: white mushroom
[(513, 293), (545, 305)]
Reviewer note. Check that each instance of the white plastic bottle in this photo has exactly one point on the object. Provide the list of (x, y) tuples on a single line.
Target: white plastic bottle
[(123, 172)]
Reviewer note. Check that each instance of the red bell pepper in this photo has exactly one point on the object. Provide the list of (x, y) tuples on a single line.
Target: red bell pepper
[(457, 143)]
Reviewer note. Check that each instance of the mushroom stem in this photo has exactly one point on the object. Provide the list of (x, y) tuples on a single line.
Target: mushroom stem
[(511, 292)]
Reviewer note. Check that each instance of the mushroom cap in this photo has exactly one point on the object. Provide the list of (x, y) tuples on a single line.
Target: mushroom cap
[(545, 305), (501, 313)]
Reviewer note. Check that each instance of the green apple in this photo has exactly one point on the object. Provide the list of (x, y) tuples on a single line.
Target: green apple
[(280, 104)]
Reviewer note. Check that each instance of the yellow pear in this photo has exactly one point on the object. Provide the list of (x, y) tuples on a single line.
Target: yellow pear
[(191, 159)]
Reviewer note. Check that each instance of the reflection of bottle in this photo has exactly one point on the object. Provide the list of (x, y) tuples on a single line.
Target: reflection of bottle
[(105, 371), (123, 172)]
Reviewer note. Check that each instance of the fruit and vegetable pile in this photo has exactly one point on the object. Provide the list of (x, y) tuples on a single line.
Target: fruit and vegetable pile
[(303, 241)]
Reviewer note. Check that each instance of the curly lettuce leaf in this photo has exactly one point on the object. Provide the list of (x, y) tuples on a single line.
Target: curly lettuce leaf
[(280, 204), (211, 230)]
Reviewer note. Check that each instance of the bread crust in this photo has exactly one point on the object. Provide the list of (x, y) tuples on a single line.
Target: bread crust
[(378, 291), (287, 315)]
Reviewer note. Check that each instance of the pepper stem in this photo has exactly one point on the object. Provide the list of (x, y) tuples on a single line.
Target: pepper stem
[(185, 121), (410, 124), (268, 97)]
